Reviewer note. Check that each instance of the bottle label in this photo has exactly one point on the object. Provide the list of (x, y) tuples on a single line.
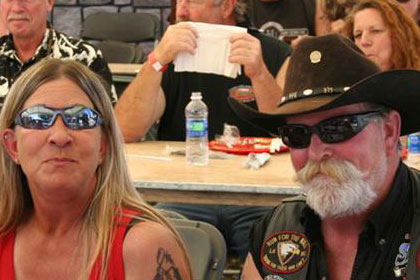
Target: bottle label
[(196, 128), (414, 143)]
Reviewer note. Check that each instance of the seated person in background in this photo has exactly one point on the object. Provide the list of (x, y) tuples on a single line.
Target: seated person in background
[(273, 16), (68, 208), (162, 95), (330, 16), (155, 95), (32, 39), (359, 217), (386, 34)]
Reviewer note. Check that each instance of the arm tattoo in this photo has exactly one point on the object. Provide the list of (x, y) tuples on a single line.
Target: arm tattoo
[(166, 269)]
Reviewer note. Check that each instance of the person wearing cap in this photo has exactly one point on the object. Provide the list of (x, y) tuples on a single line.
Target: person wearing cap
[(359, 215)]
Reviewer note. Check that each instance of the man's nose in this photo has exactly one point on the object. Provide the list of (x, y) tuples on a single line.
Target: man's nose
[(318, 150), (17, 5), (181, 10)]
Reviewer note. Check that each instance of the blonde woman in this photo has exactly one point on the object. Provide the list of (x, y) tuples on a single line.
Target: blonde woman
[(68, 209)]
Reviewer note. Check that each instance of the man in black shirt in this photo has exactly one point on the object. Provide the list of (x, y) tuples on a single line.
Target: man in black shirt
[(275, 16), (359, 216), (161, 94)]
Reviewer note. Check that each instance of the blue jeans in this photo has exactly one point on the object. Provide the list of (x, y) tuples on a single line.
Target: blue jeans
[(234, 222)]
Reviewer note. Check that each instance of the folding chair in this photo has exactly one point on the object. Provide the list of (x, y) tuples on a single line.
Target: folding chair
[(121, 52), (206, 248), (117, 30)]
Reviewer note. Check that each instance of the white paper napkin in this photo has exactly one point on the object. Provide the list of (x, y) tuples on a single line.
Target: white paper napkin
[(212, 53)]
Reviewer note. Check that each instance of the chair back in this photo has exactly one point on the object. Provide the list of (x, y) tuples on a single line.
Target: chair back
[(206, 248), (125, 27), (117, 35), (121, 52)]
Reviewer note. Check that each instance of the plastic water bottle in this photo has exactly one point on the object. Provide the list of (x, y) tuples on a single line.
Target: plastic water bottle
[(197, 150), (414, 143)]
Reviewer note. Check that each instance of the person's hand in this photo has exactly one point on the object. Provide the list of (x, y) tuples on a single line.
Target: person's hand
[(246, 50), (297, 40), (181, 37), (339, 26)]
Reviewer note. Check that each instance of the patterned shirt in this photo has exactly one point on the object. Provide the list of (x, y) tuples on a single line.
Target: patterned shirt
[(54, 45)]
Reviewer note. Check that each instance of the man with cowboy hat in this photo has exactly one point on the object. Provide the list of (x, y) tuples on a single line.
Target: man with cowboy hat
[(360, 215)]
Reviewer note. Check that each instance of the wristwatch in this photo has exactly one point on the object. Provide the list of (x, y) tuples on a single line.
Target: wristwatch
[(156, 64)]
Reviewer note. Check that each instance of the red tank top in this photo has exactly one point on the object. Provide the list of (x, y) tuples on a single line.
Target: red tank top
[(116, 263)]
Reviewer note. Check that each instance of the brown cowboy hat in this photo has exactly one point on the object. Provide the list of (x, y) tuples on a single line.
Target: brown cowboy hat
[(330, 71)]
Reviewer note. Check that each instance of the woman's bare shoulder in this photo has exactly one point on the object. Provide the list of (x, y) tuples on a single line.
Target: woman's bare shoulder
[(151, 251)]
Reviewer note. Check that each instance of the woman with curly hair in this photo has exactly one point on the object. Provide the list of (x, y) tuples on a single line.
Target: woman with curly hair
[(384, 31)]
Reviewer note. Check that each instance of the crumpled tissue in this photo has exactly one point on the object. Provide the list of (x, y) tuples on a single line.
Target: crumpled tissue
[(256, 160)]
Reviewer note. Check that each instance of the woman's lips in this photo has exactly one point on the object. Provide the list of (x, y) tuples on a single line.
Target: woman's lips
[(60, 160)]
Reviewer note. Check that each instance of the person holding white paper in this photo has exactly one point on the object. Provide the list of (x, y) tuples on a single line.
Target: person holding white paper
[(156, 94)]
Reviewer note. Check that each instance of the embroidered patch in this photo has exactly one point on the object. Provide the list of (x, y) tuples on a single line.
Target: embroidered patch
[(285, 252), (273, 277), (402, 257), (401, 260)]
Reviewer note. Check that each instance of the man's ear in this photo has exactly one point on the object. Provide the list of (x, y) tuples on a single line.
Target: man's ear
[(50, 5), (9, 142), (228, 8), (392, 128)]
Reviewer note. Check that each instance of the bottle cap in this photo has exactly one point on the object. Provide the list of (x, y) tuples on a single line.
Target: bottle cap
[(196, 95)]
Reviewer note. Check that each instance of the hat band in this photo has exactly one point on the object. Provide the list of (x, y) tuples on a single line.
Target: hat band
[(311, 93)]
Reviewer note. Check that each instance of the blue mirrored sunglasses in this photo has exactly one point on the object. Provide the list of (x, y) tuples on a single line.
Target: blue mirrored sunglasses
[(76, 117)]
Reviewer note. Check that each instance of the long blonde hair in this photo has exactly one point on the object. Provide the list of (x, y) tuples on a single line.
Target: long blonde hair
[(114, 190)]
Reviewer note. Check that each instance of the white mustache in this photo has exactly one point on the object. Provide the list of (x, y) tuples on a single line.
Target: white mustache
[(335, 169), (342, 192), (17, 16)]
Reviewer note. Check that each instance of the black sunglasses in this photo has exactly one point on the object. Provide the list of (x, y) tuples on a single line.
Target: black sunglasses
[(76, 117), (332, 130)]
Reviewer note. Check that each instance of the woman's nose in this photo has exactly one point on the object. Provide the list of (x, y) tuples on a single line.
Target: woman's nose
[(365, 39), (60, 134)]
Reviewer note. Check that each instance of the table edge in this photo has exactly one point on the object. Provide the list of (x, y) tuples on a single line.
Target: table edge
[(219, 188)]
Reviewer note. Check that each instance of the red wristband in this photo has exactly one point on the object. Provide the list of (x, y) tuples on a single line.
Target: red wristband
[(156, 64)]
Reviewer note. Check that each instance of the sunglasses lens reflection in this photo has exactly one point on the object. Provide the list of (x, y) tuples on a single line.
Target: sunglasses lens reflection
[(334, 130), (76, 117)]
